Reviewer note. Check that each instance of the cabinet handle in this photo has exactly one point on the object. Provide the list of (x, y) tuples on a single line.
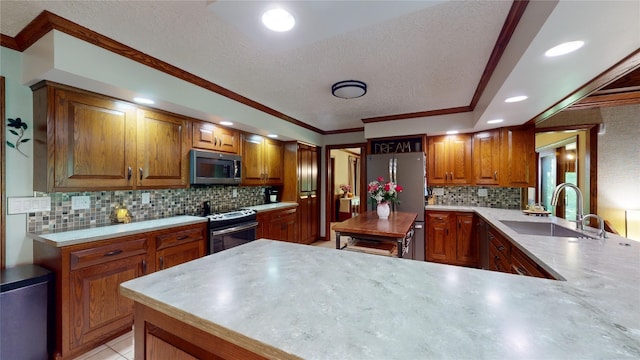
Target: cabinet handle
[(114, 252), (438, 218), (161, 262), (144, 267), (495, 175), (459, 224), (521, 271), (496, 258), (447, 231), (451, 176), (183, 237), (141, 172), (129, 173), (500, 248)]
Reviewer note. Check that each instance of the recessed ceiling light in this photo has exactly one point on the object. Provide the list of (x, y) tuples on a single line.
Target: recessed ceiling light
[(227, 123), (141, 100), (273, 136), (564, 48), (515, 99), (278, 19), (452, 132), (495, 121)]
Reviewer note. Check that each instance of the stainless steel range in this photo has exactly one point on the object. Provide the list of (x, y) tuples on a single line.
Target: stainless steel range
[(231, 228)]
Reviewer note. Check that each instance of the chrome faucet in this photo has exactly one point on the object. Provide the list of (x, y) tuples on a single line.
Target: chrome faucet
[(579, 206), (601, 231)]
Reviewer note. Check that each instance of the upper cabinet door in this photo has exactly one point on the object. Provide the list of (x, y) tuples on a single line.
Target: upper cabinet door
[(252, 155), (518, 157), (449, 160), (93, 143), (163, 150), (211, 137), (273, 161), (486, 157)]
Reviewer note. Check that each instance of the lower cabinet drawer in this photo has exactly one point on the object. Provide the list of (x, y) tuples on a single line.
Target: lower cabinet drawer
[(129, 246), (498, 260), (179, 237)]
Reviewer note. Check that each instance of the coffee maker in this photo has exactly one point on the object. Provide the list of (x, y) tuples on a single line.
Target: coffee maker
[(271, 196)]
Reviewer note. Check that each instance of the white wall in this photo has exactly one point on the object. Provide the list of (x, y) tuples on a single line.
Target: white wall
[(19, 169)]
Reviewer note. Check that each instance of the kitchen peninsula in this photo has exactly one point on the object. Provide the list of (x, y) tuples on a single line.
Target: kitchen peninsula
[(368, 226), (282, 300)]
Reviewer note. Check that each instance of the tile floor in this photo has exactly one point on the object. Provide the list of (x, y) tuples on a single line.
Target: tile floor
[(122, 348), (117, 349)]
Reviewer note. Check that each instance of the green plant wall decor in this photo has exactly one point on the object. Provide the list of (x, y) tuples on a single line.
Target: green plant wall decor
[(19, 127)]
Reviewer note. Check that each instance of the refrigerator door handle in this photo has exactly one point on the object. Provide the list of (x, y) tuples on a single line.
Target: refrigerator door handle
[(395, 170)]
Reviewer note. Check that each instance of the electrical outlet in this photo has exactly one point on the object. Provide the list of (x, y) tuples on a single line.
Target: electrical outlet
[(438, 191), (235, 193), (483, 192), (80, 202), (146, 198)]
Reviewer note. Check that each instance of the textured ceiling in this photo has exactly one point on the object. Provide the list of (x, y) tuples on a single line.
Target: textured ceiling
[(415, 56)]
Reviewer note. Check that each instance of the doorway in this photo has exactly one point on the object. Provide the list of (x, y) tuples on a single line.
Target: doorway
[(566, 155), (345, 182)]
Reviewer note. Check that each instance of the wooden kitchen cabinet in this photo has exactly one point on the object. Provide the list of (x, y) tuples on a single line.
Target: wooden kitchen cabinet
[(486, 158), (499, 252), (439, 240), (450, 238), (179, 245), (508, 258), (86, 142), (163, 150), (262, 160), (280, 224), (301, 186), (518, 157), (88, 306), (212, 137), (96, 309), (449, 160)]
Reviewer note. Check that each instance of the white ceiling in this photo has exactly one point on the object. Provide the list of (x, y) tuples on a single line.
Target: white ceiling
[(414, 55)]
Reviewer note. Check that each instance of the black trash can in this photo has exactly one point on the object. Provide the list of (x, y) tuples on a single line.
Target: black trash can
[(26, 313)]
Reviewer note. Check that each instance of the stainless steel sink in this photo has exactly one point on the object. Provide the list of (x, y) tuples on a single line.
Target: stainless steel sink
[(543, 229)]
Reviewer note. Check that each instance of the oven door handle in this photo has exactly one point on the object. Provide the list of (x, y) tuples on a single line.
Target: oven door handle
[(234, 229)]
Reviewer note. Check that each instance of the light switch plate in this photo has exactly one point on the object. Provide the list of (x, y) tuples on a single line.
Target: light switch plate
[(483, 192), (438, 191), (146, 198), (23, 205), (80, 202)]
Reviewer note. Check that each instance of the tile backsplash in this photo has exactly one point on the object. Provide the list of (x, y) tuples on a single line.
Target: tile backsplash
[(497, 197), (163, 203)]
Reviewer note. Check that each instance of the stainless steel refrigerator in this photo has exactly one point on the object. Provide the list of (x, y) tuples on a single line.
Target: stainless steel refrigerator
[(408, 170)]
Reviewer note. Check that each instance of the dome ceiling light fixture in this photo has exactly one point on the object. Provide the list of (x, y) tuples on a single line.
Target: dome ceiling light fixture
[(278, 19), (349, 89)]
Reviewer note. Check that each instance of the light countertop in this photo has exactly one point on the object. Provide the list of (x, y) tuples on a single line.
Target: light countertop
[(272, 206), (320, 303), (74, 237)]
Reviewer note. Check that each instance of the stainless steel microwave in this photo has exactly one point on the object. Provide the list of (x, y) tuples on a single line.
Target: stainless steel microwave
[(208, 167)]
